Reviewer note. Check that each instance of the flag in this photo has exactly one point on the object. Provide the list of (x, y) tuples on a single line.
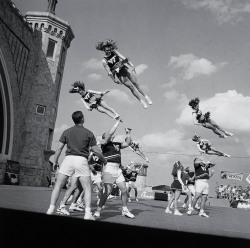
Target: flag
[(232, 175)]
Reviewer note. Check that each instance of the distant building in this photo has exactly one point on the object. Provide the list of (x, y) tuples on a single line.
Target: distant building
[(33, 51)]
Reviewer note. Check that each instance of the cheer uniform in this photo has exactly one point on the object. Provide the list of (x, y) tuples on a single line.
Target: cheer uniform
[(133, 179), (97, 165), (111, 61), (91, 99), (190, 184), (204, 145), (112, 172)]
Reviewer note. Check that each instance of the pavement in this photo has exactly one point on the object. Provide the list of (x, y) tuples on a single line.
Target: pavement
[(32, 202)]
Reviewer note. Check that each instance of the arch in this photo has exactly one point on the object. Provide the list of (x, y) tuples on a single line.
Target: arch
[(6, 112)]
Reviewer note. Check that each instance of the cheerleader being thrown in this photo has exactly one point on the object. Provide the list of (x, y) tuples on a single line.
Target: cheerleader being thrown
[(93, 100), (205, 120), (120, 69)]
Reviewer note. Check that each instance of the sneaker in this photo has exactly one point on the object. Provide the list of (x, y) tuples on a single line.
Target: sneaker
[(136, 199), (144, 104), (168, 211), (49, 212), (226, 155), (176, 212), (191, 208), (203, 214), (62, 210), (189, 212), (148, 100), (129, 200), (117, 117), (228, 134), (184, 206), (75, 208), (97, 214), (126, 213), (89, 217), (222, 136)]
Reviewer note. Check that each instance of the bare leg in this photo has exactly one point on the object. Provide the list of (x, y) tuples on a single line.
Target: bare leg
[(105, 106), (214, 129), (103, 110), (70, 190), (124, 193), (105, 194), (133, 79)]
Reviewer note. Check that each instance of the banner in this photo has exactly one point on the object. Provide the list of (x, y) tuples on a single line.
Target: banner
[(248, 179), (12, 173), (231, 175)]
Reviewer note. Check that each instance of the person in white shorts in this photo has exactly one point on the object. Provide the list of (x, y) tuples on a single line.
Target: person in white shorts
[(112, 172), (190, 185), (79, 141), (201, 184)]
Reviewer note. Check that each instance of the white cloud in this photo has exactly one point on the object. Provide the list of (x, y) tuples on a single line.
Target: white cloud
[(230, 110), (94, 77), (61, 128), (224, 10), (140, 69), (92, 64), (172, 82), (193, 66), (119, 96)]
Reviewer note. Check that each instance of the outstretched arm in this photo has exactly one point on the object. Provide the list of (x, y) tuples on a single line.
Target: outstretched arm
[(85, 104), (110, 74), (109, 134), (128, 140)]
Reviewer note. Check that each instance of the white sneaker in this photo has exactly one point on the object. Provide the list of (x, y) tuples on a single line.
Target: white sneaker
[(148, 100), (144, 104), (191, 208), (229, 134), (62, 210), (97, 214), (226, 155), (126, 213), (189, 212), (129, 200), (176, 212), (136, 199), (75, 208), (89, 217), (49, 212), (168, 211), (203, 214), (184, 206)]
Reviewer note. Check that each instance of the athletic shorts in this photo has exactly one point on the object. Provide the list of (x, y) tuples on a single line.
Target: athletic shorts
[(176, 185), (96, 178), (202, 186), (77, 165), (112, 173), (132, 185), (191, 188)]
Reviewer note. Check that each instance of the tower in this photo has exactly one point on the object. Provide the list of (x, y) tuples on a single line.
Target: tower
[(142, 175)]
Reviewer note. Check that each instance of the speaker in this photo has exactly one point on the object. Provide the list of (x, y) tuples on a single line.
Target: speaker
[(161, 196)]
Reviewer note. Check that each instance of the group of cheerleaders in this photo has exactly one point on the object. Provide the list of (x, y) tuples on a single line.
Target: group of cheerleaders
[(122, 71)]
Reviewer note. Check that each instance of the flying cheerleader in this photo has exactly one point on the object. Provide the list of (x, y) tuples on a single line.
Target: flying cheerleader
[(135, 147), (121, 70), (93, 100), (204, 147), (205, 120)]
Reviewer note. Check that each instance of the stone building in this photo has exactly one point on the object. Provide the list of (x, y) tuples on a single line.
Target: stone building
[(33, 51)]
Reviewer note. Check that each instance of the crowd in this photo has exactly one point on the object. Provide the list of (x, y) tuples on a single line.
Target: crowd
[(237, 196)]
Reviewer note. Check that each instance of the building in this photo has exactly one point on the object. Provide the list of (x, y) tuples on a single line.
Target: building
[(33, 50)]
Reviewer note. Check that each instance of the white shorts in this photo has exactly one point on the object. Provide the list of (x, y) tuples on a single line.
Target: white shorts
[(112, 173), (77, 165), (191, 188), (96, 178), (132, 185), (202, 186)]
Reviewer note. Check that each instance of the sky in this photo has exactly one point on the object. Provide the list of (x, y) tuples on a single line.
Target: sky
[(181, 49)]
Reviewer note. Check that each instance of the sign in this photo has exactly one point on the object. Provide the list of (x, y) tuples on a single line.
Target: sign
[(12, 172), (231, 175), (248, 179)]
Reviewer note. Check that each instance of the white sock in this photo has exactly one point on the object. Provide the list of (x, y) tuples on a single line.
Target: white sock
[(51, 208), (125, 208), (87, 210)]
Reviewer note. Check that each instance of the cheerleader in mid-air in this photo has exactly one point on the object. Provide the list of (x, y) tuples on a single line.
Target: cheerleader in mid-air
[(120, 69), (205, 120), (93, 99), (204, 147), (135, 147)]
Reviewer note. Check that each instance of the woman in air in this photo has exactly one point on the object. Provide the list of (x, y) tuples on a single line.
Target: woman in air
[(135, 147), (205, 120), (179, 185), (204, 146), (121, 70), (93, 99)]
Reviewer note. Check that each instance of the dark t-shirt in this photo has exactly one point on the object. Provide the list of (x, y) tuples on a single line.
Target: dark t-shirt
[(112, 152), (96, 163), (78, 140), (127, 174), (191, 174), (133, 176), (184, 177)]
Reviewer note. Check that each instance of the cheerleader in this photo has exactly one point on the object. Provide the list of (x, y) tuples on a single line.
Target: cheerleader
[(93, 100), (121, 70), (204, 146), (205, 120)]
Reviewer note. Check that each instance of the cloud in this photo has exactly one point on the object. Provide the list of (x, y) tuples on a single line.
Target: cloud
[(230, 110), (140, 69), (61, 128), (94, 77), (223, 10), (179, 99), (92, 64), (119, 96), (172, 82), (193, 66)]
